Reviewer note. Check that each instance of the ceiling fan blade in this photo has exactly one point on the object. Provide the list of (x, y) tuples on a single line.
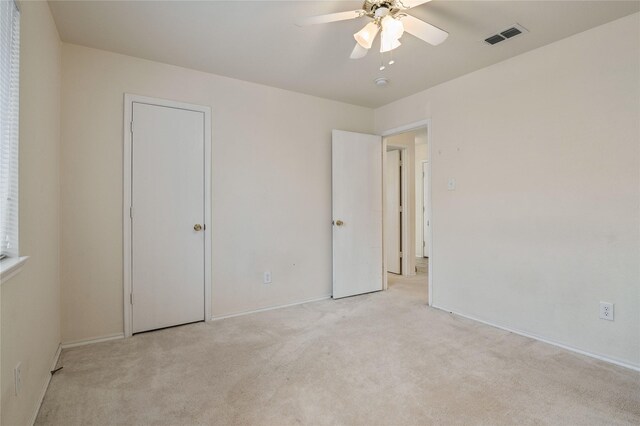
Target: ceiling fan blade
[(424, 31), (331, 17), (408, 4), (358, 52)]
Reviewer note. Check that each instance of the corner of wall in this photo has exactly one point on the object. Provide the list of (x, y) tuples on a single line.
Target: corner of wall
[(30, 301)]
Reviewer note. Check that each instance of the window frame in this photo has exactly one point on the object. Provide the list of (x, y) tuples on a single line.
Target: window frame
[(10, 260)]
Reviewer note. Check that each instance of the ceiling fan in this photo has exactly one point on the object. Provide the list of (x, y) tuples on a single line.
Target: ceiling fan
[(388, 16)]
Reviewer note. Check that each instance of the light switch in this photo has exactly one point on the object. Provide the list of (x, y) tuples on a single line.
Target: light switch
[(451, 185)]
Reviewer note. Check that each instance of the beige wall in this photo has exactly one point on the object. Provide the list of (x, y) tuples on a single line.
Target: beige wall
[(271, 186), (554, 228), (31, 300), (544, 223)]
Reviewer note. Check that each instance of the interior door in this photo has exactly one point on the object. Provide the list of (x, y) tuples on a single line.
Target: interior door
[(357, 213), (425, 209), (167, 216), (393, 220)]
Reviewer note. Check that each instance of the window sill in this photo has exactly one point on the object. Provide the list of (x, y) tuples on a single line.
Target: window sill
[(10, 267)]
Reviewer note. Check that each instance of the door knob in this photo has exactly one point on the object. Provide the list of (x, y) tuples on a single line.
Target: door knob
[(339, 222), (197, 227)]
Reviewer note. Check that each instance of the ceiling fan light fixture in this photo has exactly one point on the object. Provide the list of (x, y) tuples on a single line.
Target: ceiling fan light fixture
[(365, 36), (392, 30), (392, 27), (387, 45), (389, 18)]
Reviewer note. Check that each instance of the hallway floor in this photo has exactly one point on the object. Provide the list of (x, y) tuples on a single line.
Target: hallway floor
[(379, 359), (413, 286)]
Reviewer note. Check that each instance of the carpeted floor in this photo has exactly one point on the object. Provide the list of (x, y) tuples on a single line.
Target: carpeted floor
[(422, 264), (378, 359)]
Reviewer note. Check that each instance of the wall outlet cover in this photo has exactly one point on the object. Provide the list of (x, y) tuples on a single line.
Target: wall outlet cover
[(451, 184), (267, 277), (606, 311)]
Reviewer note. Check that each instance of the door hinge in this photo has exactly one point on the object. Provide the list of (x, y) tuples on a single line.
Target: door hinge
[(401, 255), (131, 298), (131, 127), (424, 244), (400, 209), (131, 212), (400, 163)]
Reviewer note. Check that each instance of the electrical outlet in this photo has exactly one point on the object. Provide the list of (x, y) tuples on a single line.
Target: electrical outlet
[(267, 277), (451, 184), (17, 372), (606, 311)]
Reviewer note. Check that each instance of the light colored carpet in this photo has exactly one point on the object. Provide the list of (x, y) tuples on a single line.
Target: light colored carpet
[(377, 359), (422, 264)]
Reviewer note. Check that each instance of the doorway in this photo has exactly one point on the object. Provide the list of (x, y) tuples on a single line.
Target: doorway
[(410, 226), (166, 209), (359, 192)]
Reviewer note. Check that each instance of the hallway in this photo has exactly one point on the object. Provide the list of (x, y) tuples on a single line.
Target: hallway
[(416, 285)]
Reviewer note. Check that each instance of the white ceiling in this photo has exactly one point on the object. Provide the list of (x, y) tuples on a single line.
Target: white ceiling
[(257, 40)]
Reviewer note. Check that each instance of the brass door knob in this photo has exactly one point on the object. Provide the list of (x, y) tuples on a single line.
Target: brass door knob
[(339, 222), (197, 227)]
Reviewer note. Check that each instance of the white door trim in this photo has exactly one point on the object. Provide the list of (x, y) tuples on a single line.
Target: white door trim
[(406, 128), (129, 99), (425, 205)]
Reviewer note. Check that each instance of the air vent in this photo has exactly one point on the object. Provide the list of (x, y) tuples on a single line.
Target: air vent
[(511, 32), (494, 39), (506, 34)]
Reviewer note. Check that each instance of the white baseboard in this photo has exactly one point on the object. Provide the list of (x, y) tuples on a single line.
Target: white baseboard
[(635, 367), (92, 340), (271, 308), (56, 357)]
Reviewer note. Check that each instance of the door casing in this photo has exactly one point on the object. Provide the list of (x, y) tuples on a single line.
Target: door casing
[(129, 99), (425, 208)]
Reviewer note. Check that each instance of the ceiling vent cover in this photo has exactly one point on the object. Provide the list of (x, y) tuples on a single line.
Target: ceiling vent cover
[(506, 34)]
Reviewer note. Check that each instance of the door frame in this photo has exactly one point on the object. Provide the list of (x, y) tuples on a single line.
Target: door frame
[(129, 99), (404, 222), (425, 205), (426, 123)]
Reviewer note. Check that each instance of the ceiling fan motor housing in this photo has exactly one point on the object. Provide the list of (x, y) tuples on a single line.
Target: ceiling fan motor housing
[(378, 9)]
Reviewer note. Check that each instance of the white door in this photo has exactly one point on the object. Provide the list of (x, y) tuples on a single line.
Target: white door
[(357, 213), (392, 225), (168, 216), (425, 209)]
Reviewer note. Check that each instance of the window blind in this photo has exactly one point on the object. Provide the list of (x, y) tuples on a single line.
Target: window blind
[(9, 115)]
